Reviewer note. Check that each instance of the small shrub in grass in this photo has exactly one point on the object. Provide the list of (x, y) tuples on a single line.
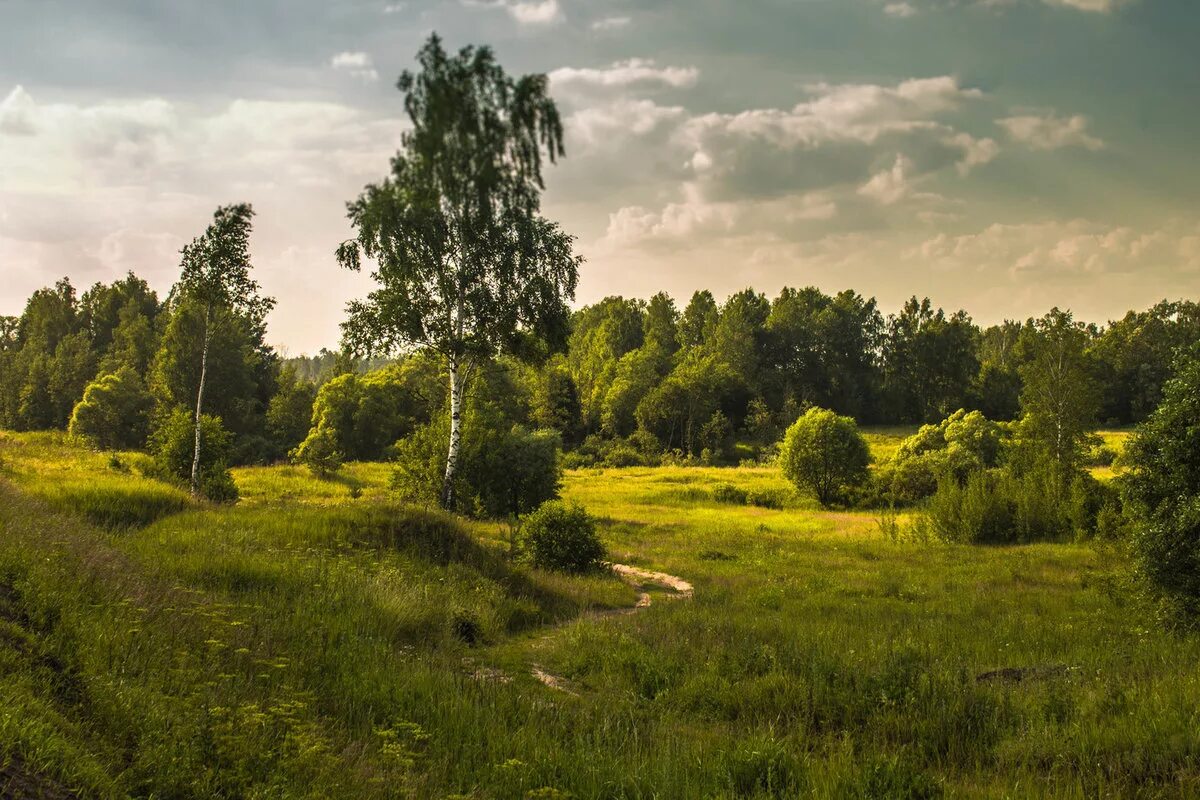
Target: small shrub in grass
[(729, 494), (562, 536), (776, 499), (319, 452)]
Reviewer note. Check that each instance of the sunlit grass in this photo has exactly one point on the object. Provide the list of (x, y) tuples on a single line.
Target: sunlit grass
[(311, 643)]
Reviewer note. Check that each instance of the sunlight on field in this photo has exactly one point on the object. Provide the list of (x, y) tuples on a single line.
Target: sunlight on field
[(812, 645)]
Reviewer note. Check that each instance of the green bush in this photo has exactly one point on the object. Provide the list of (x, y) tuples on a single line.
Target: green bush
[(1000, 506), (319, 452), (562, 536), (1162, 490), (114, 412), (825, 454), (729, 494), (958, 445), (172, 444), (776, 499), (501, 473), (979, 511)]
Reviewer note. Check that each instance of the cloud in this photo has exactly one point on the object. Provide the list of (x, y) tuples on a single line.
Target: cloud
[(625, 73), (1060, 248), (1050, 132), (1097, 6), (95, 189), (611, 23), (614, 122), (525, 12), (357, 64), (891, 185), (900, 10)]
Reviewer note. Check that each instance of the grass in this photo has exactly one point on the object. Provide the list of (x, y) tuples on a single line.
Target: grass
[(306, 643)]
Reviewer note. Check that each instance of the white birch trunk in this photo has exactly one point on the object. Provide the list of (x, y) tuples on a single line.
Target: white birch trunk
[(456, 403), (200, 405)]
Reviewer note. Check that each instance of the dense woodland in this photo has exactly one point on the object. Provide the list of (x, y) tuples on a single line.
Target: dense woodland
[(633, 378)]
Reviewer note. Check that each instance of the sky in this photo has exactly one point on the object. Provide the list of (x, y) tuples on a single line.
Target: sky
[(1002, 156)]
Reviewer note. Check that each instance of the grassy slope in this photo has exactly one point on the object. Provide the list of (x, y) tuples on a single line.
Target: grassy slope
[(304, 644)]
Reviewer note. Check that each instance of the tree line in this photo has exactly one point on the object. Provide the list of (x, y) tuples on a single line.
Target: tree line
[(716, 377)]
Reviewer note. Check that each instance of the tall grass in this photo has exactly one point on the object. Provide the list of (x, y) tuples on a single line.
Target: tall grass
[(339, 647)]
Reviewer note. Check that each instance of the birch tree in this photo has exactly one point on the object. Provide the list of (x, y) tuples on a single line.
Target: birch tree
[(216, 276), (467, 266)]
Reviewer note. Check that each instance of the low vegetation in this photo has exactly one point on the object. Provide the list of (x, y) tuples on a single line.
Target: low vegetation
[(308, 643)]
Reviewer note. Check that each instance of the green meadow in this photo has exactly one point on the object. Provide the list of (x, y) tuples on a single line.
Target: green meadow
[(320, 640)]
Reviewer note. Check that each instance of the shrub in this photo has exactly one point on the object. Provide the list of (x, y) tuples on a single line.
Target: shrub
[(114, 412), (1162, 489), (776, 499), (729, 494), (1002, 506), (1100, 455), (502, 473), (958, 445), (978, 511), (562, 536), (319, 452), (825, 454), (172, 444)]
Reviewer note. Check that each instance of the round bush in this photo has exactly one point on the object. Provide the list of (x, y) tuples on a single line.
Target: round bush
[(562, 536), (825, 454)]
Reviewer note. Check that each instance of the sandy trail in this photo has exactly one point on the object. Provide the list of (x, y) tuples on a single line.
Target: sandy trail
[(639, 579)]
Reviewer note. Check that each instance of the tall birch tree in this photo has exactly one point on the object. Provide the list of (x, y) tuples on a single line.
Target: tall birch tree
[(466, 264), (216, 276)]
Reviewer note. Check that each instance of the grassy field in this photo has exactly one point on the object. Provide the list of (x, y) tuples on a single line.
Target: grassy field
[(317, 640)]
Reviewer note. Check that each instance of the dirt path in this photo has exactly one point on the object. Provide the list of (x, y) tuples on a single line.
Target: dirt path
[(639, 579)]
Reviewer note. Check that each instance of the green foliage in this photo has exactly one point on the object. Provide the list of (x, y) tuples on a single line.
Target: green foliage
[(172, 443), (562, 536), (240, 373), (1059, 396), (364, 415), (957, 446), (1006, 506), (823, 453), (929, 360), (290, 412), (114, 413), (1163, 488), (1136, 357), (319, 452), (505, 471)]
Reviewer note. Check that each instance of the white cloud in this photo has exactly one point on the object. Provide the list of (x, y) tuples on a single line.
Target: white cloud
[(625, 73), (94, 190), (357, 64), (16, 112), (1097, 6), (1058, 248), (395, 8), (611, 23), (900, 10), (891, 185), (858, 112), (525, 12), (1050, 132), (611, 123)]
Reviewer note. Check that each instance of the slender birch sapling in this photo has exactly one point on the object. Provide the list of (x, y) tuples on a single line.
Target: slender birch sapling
[(216, 276)]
